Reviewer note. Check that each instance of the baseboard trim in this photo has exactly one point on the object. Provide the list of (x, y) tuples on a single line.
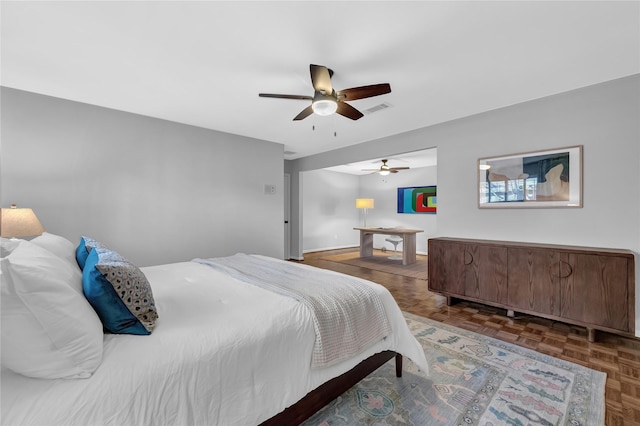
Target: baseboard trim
[(327, 248), (424, 253)]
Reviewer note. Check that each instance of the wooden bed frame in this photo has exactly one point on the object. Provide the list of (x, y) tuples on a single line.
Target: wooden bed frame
[(327, 392)]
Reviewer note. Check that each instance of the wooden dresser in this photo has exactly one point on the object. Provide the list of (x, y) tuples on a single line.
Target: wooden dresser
[(590, 287)]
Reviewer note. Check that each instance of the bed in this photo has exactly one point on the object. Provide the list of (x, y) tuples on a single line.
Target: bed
[(223, 350)]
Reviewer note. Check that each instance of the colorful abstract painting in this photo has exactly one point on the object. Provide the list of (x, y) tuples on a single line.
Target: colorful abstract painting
[(417, 199)]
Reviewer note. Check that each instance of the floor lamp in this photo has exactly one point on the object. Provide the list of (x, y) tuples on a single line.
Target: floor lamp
[(364, 203)]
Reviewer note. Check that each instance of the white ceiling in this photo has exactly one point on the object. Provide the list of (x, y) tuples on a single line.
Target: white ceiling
[(204, 62)]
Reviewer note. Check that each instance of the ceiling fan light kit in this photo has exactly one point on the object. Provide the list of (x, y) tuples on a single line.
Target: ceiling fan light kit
[(326, 100), (324, 106)]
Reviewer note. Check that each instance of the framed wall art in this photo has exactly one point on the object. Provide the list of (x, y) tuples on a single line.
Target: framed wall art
[(550, 178), (417, 199)]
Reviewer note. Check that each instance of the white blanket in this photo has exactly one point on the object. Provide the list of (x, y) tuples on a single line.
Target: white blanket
[(223, 352), (348, 316)]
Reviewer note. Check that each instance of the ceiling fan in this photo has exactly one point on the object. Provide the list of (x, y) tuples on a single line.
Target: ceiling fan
[(326, 100), (385, 169)]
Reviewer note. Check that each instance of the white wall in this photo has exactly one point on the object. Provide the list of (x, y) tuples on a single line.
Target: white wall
[(328, 200), (153, 190), (329, 212), (603, 118)]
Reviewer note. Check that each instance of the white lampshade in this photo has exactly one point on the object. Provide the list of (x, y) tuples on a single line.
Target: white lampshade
[(364, 203), (15, 222), (324, 107)]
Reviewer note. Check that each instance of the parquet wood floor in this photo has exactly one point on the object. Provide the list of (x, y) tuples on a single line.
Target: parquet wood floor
[(617, 356)]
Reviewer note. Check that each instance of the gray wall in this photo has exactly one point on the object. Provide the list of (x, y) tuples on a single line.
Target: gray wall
[(603, 118), (153, 190), (160, 192)]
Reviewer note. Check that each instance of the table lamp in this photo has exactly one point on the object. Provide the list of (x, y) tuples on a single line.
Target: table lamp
[(364, 203), (15, 222)]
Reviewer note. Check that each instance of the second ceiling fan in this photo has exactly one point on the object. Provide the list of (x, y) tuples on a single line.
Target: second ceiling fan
[(385, 169), (326, 100)]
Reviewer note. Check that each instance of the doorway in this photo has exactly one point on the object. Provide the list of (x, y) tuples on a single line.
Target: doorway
[(287, 215)]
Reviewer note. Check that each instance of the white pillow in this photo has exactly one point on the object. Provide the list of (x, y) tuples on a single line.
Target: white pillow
[(57, 245), (48, 330), (64, 249), (7, 245)]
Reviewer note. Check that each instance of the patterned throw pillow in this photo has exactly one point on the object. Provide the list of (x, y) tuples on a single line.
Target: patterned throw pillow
[(119, 292)]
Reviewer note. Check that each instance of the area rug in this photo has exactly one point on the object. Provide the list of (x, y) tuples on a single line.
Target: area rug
[(472, 380), (380, 262)]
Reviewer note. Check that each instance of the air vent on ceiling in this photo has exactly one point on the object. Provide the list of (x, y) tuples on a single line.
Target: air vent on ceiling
[(376, 108)]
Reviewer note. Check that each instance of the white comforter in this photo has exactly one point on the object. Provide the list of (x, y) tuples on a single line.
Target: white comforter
[(348, 314), (223, 352)]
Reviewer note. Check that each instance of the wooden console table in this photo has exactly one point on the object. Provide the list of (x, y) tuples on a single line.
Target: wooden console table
[(408, 241), (587, 286)]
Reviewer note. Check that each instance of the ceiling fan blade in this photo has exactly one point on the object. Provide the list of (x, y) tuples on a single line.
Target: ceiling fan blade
[(399, 168), (321, 79), (273, 95), (370, 170), (348, 111), (363, 92), (304, 113)]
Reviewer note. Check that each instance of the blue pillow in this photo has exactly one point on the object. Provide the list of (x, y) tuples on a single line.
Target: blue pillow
[(119, 293), (83, 249)]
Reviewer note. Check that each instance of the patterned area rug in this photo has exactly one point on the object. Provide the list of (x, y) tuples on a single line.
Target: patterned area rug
[(473, 380)]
